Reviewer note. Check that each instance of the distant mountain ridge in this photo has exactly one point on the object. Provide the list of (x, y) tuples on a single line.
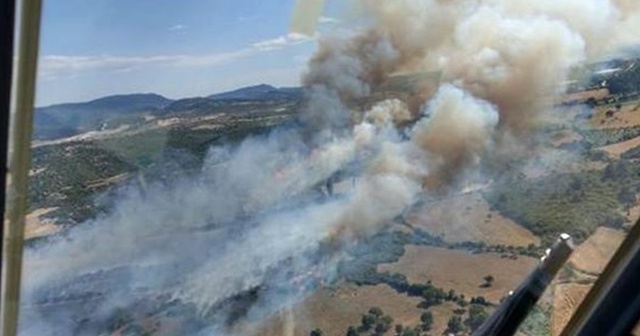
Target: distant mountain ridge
[(69, 119), (259, 92), (62, 120), (124, 101)]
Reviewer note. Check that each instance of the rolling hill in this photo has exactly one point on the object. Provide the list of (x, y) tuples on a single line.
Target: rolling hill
[(63, 120), (66, 120), (259, 92)]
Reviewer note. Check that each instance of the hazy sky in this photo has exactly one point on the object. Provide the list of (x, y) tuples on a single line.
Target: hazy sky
[(177, 48)]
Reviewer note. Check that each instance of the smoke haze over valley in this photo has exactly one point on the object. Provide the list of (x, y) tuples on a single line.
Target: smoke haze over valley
[(250, 202)]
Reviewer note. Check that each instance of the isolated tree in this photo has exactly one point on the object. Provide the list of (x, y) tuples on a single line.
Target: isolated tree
[(376, 311), (352, 332), (488, 280), (381, 328), (427, 320), (477, 316), (368, 321), (399, 328), (460, 301), (410, 332), (451, 295), (432, 295), (316, 332), (609, 172), (459, 311), (454, 324), (384, 324), (479, 300)]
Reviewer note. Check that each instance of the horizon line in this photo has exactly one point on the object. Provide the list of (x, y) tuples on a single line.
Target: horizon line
[(159, 94)]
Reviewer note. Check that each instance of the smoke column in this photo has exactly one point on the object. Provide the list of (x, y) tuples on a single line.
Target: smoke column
[(500, 60)]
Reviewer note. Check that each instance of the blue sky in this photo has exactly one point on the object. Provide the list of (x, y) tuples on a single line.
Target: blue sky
[(177, 48)]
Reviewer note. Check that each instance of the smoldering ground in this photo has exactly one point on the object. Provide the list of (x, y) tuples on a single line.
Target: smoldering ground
[(252, 221)]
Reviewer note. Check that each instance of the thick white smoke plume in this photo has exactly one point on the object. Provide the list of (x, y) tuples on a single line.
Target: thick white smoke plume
[(257, 206), (453, 144)]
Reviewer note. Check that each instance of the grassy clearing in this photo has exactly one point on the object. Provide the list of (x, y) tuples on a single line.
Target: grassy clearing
[(615, 115), (620, 149)]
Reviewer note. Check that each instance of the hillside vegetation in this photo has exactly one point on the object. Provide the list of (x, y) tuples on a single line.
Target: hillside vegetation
[(576, 203), (603, 137), (633, 153), (70, 175), (64, 176)]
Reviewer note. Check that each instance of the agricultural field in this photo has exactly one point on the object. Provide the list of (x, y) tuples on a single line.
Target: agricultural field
[(567, 298), (618, 115), (334, 310), (473, 220), (622, 148), (585, 265), (462, 271), (594, 254)]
